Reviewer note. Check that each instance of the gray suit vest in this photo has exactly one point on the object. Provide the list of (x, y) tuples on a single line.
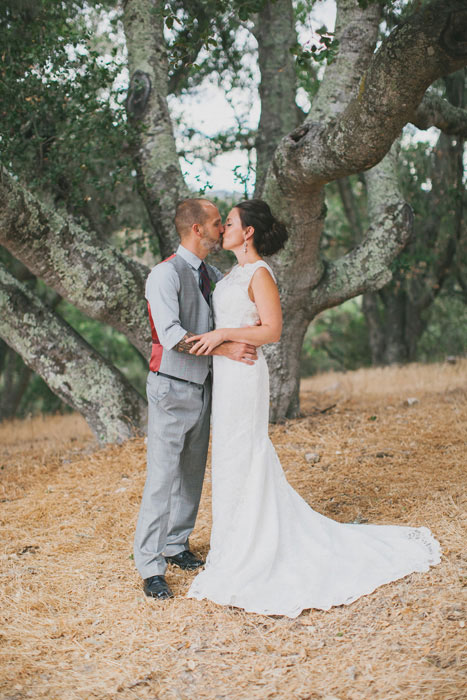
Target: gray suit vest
[(195, 316)]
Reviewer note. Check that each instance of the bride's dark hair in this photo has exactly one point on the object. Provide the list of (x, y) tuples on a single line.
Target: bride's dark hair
[(270, 235)]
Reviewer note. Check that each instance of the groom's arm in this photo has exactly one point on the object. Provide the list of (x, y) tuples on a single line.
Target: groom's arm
[(240, 352), (162, 293), (184, 345)]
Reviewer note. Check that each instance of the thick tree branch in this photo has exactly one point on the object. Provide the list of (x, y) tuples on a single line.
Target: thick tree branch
[(357, 31), (434, 110), (367, 266), (433, 40), (95, 277), (71, 367), (160, 179), (299, 267)]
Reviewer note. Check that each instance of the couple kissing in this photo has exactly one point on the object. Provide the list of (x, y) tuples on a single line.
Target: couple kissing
[(270, 552)]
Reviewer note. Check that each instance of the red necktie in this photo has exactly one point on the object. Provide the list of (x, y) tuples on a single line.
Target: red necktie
[(204, 281)]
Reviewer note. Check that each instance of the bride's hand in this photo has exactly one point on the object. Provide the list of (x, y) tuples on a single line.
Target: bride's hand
[(206, 342)]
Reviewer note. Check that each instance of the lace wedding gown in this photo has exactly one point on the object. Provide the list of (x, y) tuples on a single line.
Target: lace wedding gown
[(270, 552)]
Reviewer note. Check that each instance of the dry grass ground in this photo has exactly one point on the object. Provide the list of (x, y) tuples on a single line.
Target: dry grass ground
[(76, 625)]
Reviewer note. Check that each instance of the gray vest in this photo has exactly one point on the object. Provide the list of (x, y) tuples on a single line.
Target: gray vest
[(195, 316)]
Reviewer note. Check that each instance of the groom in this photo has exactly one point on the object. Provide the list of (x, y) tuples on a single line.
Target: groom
[(178, 292)]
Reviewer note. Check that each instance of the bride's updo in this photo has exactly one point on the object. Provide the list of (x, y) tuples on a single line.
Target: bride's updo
[(270, 235)]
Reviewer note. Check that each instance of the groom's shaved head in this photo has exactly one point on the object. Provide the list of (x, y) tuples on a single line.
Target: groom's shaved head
[(189, 212)]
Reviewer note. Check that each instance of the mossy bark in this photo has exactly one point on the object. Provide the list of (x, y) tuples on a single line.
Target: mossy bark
[(160, 179), (274, 29), (301, 206), (362, 104), (71, 367), (75, 262)]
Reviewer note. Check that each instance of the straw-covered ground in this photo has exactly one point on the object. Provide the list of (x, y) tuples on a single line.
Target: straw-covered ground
[(75, 622)]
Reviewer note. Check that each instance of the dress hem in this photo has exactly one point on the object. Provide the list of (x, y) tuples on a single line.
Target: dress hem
[(435, 558)]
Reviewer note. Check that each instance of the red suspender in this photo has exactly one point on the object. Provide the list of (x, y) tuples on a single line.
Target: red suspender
[(157, 349)]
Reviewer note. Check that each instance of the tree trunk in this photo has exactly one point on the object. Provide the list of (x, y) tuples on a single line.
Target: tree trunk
[(300, 204), (71, 368), (274, 30), (160, 178), (298, 269), (395, 349), (376, 331)]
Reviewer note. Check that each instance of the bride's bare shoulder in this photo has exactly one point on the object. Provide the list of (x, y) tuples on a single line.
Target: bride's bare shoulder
[(263, 271)]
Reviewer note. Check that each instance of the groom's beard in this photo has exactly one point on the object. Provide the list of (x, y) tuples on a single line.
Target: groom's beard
[(212, 245)]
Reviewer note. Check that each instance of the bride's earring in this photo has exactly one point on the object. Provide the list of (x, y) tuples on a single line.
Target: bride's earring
[(245, 246)]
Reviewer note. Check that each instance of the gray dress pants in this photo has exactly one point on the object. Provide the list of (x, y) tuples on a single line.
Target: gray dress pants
[(178, 437)]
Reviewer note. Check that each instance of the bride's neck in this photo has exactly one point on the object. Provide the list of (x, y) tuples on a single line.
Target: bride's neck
[(251, 256)]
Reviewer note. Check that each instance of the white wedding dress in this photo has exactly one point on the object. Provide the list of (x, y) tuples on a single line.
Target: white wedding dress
[(270, 552)]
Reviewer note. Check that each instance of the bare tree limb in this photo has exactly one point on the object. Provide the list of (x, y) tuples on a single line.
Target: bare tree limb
[(357, 30), (434, 110), (71, 367), (433, 39), (89, 273), (367, 266), (299, 268)]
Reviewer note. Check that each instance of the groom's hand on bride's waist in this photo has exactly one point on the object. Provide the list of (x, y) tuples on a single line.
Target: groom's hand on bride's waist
[(241, 352)]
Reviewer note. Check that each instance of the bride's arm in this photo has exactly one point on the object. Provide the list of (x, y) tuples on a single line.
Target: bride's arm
[(266, 297)]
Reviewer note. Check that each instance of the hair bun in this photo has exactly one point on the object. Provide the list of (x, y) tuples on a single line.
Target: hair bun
[(270, 234), (279, 235)]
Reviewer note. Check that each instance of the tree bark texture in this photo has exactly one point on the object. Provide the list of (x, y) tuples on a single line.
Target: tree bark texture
[(300, 268), (161, 183), (434, 110), (71, 367), (362, 104), (274, 29), (389, 92), (92, 275)]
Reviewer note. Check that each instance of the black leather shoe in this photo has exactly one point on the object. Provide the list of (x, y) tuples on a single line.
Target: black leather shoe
[(185, 560), (156, 587)]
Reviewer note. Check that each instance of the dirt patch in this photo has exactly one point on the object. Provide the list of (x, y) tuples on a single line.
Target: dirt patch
[(75, 623)]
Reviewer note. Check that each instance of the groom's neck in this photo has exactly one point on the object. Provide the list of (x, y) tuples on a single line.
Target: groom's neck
[(195, 247)]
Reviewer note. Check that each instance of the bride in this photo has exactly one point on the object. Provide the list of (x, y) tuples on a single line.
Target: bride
[(270, 552)]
